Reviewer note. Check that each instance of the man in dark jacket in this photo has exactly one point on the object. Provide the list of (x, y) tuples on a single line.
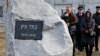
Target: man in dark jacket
[(96, 17), (80, 17), (70, 20)]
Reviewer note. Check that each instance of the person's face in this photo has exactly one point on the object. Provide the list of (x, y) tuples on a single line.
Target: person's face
[(68, 10), (80, 10), (98, 10), (88, 14)]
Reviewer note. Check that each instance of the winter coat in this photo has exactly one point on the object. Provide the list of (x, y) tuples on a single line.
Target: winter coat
[(79, 23), (88, 24), (72, 20), (96, 17), (79, 31)]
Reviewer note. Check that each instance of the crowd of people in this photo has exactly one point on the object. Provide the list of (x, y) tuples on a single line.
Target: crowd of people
[(84, 29)]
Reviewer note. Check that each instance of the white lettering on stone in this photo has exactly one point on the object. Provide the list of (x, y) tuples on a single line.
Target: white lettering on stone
[(27, 35), (24, 27), (33, 27)]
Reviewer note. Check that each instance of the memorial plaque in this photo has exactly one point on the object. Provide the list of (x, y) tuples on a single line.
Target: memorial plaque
[(28, 30)]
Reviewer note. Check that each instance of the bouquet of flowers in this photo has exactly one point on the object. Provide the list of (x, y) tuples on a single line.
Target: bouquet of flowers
[(73, 18), (70, 19), (89, 26)]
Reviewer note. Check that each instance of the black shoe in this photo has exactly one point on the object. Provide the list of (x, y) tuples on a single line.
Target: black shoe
[(81, 49), (73, 54), (96, 49)]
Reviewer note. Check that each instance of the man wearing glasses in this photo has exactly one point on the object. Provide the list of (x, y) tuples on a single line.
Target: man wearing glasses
[(96, 17)]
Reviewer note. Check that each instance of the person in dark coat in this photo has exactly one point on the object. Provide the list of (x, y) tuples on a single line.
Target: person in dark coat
[(70, 20), (80, 17), (88, 26), (96, 17)]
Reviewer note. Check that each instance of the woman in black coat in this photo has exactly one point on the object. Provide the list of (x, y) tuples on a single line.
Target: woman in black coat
[(88, 26)]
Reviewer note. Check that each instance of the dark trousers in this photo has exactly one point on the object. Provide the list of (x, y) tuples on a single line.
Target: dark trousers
[(96, 42), (73, 39), (97, 38), (89, 49), (79, 45)]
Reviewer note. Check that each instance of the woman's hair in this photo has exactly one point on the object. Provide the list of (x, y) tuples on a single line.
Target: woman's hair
[(87, 13)]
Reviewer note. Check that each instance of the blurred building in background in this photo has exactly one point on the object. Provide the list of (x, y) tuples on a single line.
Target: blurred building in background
[(3, 9), (60, 5)]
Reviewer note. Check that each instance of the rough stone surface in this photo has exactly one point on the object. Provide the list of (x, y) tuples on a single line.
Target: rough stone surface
[(56, 40)]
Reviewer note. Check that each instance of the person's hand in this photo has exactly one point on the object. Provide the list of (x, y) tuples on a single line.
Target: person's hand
[(86, 31), (66, 14), (89, 30), (98, 26), (68, 24)]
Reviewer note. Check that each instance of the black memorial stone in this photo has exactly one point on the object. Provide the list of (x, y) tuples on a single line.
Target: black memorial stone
[(28, 30)]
